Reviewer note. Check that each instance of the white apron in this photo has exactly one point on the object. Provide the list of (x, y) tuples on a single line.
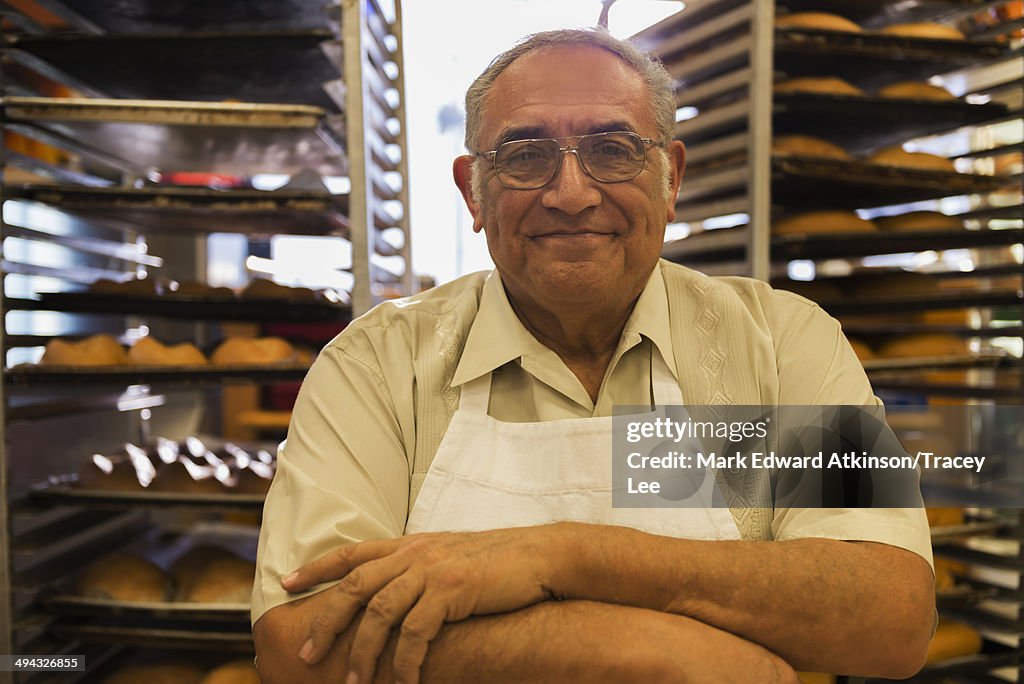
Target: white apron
[(488, 474)]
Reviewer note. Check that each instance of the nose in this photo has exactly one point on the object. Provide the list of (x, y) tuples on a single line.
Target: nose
[(571, 190)]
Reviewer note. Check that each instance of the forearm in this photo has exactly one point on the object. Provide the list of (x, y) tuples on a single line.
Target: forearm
[(854, 608), (547, 642)]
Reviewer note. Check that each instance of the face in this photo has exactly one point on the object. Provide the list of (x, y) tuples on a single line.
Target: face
[(575, 241)]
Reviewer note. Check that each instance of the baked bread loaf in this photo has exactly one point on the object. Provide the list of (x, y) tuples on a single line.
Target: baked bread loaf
[(156, 674), (150, 352), (900, 158), (924, 344), (97, 350), (235, 672), (822, 222), (124, 577), (917, 221), (962, 317), (824, 85), (952, 640), (807, 146), (938, 516), (924, 29), (225, 580), (916, 90), (246, 350), (187, 567), (945, 573), (822, 21)]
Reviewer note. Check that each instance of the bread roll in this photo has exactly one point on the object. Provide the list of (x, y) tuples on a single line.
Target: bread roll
[(817, 20), (193, 288), (822, 222), (952, 640), (188, 566), (226, 580), (156, 674), (150, 352), (825, 85), (945, 573), (236, 672), (916, 90), (124, 577), (924, 29), (807, 146), (963, 317), (924, 344), (244, 350), (917, 221), (900, 158), (98, 350)]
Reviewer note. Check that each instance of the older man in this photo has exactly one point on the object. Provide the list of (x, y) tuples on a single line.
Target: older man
[(448, 457)]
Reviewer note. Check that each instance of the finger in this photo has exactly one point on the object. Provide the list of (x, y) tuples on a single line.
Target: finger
[(419, 628), (387, 608), (345, 600), (338, 563)]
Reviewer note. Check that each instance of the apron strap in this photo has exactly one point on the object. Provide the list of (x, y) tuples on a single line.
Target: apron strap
[(476, 395)]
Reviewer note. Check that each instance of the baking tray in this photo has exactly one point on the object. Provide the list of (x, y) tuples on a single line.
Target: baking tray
[(888, 330), (871, 60), (871, 13), (839, 246), (154, 16), (33, 376), (142, 610), (1008, 388), (191, 307), (185, 636), (286, 67), (847, 120), (200, 210), (225, 137), (836, 184), (62, 493), (937, 362)]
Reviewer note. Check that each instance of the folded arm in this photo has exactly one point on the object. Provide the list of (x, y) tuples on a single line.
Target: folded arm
[(553, 641)]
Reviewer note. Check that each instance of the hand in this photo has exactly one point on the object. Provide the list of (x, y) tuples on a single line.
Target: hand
[(420, 582)]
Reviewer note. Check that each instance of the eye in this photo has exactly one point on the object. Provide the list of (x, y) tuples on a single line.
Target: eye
[(612, 149)]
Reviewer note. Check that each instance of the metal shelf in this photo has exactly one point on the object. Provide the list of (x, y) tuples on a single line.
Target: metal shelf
[(788, 247), (284, 67), (229, 138), (200, 210), (183, 376)]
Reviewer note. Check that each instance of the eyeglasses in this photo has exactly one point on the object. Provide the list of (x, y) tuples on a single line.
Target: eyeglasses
[(606, 157)]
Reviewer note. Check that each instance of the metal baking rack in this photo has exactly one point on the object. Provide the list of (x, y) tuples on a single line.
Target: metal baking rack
[(1005, 388), (201, 210), (182, 376), (992, 361), (227, 138), (155, 16), (876, 13), (63, 493), (190, 307), (284, 67), (926, 302)]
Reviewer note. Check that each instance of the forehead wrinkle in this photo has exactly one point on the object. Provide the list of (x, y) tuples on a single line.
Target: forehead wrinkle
[(528, 132)]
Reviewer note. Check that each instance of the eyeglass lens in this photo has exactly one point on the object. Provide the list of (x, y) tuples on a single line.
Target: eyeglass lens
[(608, 157)]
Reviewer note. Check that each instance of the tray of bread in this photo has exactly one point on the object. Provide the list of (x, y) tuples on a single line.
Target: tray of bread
[(192, 473), (102, 359), (154, 16), (202, 210), (188, 666), (203, 573)]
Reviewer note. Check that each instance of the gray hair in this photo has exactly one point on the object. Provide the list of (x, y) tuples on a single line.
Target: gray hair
[(648, 66)]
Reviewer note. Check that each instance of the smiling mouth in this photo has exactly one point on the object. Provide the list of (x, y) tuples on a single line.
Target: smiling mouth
[(572, 234)]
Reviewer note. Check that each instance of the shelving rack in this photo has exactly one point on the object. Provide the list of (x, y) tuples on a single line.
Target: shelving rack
[(120, 98), (725, 56)]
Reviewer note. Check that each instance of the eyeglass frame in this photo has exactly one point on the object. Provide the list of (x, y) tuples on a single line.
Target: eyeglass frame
[(563, 150)]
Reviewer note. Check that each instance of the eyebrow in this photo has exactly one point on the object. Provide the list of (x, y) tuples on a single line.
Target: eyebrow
[(530, 132)]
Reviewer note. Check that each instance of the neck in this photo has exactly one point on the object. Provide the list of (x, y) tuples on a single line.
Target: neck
[(584, 337)]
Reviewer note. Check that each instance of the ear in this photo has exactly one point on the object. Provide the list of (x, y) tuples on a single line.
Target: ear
[(462, 170), (677, 162)]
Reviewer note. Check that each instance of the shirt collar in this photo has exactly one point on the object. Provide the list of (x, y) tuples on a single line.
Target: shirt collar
[(497, 336)]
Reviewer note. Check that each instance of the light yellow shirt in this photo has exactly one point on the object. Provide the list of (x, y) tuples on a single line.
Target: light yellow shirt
[(378, 399)]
